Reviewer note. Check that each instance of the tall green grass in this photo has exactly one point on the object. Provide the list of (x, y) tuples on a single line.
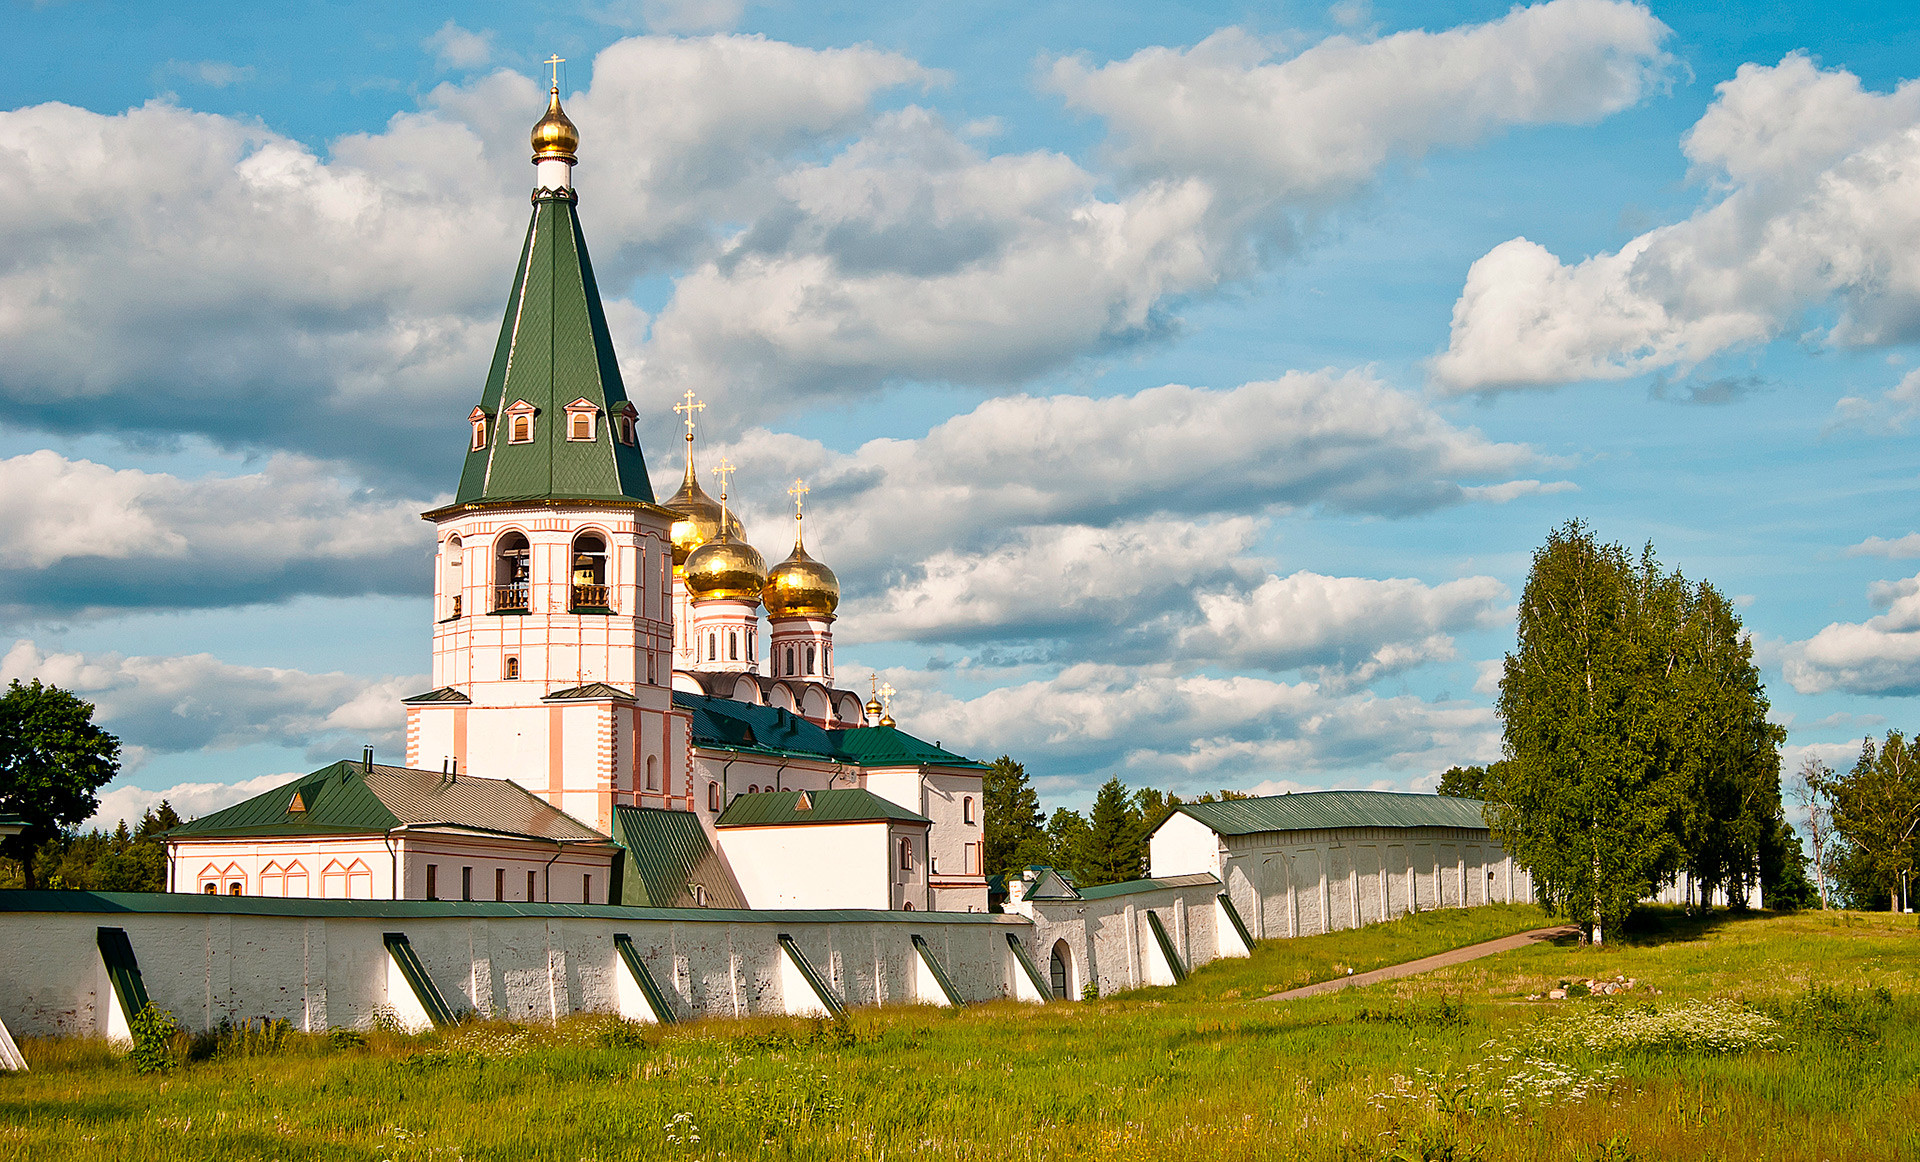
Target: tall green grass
[(1163, 1074)]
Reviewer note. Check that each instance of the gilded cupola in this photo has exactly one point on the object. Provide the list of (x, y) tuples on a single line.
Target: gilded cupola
[(555, 138), (801, 586), (700, 515), (724, 568)]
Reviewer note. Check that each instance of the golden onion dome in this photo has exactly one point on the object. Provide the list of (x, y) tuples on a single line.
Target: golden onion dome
[(801, 587), (555, 137), (726, 568), (700, 517)]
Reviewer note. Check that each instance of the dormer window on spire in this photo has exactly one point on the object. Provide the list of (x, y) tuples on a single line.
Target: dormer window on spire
[(520, 422), (480, 418), (582, 415), (623, 425)]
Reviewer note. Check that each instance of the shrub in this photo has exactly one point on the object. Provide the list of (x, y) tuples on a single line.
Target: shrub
[(153, 1030)]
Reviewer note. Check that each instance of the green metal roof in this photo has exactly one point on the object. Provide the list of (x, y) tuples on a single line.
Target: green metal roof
[(345, 798), (887, 746), (1133, 887), (439, 694), (1316, 809), (1049, 884), (195, 904), (666, 854), (590, 692), (554, 348), (731, 725), (789, 808)]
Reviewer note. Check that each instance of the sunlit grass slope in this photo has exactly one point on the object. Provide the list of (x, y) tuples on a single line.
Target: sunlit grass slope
[(1792, 1037)]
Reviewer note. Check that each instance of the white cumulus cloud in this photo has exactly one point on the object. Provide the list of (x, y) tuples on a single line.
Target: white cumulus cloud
[(1814, 186), (1878, 656)]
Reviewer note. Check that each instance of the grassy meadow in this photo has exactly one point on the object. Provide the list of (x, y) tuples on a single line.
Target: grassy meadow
[(1775, 1037)]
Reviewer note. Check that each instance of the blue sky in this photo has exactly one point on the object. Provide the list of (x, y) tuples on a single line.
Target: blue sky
[(1427, 280)]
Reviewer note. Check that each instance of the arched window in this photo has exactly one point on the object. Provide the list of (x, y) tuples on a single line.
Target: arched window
[(733, 645), (753, 788), (810, 660), (580, 426), (512, 671), (625, 427), (512, 573), (966, 809), (711, 654), (713, 796), (590, 588), (653, 773), (212, 889), (906, 855), (1057, 970), (455, 556), (235, 888), (478, 418), (789, 670), (908, 906)]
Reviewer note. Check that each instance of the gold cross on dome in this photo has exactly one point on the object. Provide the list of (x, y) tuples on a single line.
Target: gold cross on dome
[(556, 62), (724, 470), (799, 493), (886, 695), (689, 408)]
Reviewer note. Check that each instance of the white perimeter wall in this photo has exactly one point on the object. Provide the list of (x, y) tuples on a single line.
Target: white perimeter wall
[(1110, 940), (819, 865), (322, 972)]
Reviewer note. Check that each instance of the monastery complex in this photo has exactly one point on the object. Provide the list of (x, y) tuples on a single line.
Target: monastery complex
[(624, 792)]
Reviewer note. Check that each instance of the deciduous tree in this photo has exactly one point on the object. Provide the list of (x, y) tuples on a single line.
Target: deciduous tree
[(1876, 810), (52, 760)]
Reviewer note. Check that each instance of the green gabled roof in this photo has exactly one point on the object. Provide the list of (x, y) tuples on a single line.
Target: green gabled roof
[(887, 746), (666, 853), (554, 348), (346, 798), (337, 801), (841, 805), (1049, 884), (1312, 809)]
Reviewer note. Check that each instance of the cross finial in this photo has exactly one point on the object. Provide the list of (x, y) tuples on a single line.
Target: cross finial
[(556, 62), (690, 407), (724, 470), (886, 696), (799, 493)]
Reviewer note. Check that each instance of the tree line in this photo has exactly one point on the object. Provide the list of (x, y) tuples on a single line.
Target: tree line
[(1104, 846), (1864, 825)]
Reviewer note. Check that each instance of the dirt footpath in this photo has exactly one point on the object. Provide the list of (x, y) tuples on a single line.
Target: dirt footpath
[(1429, 963)]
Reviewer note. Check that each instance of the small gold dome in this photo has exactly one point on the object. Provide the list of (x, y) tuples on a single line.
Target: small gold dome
[(726, 568), (801, 587), (699, 518), (555, 136)]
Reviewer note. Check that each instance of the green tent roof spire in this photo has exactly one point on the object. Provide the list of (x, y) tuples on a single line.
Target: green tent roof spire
[(554, 363)]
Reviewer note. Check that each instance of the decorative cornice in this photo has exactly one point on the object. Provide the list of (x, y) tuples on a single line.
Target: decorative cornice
[(549, 194)]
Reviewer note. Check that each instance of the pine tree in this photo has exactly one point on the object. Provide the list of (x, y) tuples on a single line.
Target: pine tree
[(1115, 843), (1067, 834), (1015, 836)]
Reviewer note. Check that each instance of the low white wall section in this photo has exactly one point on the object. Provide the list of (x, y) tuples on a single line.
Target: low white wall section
[(1109, 941), (321, 964)]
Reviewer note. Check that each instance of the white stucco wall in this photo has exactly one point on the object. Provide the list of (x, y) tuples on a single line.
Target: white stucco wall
[(274, 959), (818, 865)]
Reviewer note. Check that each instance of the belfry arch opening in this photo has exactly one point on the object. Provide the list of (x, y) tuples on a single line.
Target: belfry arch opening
[(453, 583), (591, 592), (513, 573)]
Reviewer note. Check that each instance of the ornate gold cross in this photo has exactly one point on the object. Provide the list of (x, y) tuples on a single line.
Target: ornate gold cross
[(799, 493), (556, 62), (689, 408), (724, 470), (886, 696)]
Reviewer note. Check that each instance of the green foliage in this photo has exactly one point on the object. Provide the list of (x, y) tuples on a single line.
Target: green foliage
[(1636, 733), (154, 1034), (1466, 782), (1015, 836), (1876, 816), (52, 760), (1067, 837), (1115, 845), (125, 860)]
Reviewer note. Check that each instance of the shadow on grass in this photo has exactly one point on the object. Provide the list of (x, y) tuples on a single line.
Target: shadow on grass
[(1670, 924)]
